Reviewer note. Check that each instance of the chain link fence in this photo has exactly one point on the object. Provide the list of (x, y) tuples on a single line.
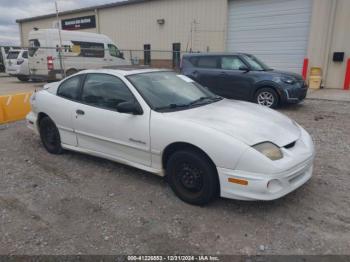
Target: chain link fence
[(79, 57)]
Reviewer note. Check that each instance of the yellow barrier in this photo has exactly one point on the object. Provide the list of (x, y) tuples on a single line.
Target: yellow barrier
[(14, 107)]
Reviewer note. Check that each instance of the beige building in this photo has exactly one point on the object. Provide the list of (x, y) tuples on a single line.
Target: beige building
[(286, 34)]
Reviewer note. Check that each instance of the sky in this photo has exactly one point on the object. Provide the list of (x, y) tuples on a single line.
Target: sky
[(10, 10)]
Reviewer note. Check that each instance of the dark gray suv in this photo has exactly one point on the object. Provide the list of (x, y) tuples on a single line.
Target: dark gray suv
[(244, 77)]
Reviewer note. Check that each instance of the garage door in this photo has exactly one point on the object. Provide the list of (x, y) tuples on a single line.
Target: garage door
[(276, 31)]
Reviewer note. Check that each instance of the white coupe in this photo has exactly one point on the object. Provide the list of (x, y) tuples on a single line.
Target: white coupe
[(167, 124)]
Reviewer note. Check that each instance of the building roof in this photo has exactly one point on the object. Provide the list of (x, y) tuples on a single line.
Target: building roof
[(85, 9)]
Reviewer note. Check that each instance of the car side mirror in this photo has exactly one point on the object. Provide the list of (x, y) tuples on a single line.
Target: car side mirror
[(129, 108), (243, 68)]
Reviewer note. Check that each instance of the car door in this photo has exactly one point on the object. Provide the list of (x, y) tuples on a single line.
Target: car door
[(100, 128), (235, 80), (206, 72)]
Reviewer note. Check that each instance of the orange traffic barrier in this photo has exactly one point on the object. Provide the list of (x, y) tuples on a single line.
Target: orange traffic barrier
[(14, 107)]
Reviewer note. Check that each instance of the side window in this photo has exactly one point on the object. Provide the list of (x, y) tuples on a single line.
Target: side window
[(207, 62), (114, 51), (70, 88), (231, 63), (194, 61), (25, 55), (89, 49), (34, 45), (105, 91)]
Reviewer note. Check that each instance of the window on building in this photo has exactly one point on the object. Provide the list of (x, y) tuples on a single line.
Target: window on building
[(105, 91)]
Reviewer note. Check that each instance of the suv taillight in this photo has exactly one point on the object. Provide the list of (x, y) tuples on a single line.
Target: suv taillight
[(49, 63)]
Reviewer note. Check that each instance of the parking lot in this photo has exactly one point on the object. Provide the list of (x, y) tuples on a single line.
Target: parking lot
[(77, 204)]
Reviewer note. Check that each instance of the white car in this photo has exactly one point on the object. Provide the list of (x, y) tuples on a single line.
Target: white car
[(17, 64), (167, 124)]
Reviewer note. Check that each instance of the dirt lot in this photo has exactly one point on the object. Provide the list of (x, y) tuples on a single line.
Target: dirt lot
[(74, 203), (11, 85)]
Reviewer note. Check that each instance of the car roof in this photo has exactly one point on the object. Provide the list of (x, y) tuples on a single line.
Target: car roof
[(125, 71), (213, 54)]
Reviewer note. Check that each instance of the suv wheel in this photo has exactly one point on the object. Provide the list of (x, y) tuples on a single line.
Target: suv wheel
[(50, 136), (267, 97), (192, 178)]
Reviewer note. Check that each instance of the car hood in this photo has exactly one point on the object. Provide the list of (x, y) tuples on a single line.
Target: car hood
[(247, 122)]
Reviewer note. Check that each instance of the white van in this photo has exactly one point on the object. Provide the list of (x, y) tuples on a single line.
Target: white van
[(80, 51)]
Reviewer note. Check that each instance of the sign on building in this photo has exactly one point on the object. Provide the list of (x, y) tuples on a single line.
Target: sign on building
[(77, 23)]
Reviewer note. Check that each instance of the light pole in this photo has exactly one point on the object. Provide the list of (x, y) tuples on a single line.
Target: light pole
[(60, 37)]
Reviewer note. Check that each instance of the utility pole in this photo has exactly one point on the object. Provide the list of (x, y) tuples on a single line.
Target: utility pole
[(60, 37)]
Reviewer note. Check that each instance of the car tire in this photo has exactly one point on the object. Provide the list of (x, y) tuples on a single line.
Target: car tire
[(192, 177), (50, 136), (71, 72), (23, 78), (267, 97)]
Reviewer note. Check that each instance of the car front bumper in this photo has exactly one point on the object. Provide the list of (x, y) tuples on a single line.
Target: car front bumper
[(294, 95), (264, 187)]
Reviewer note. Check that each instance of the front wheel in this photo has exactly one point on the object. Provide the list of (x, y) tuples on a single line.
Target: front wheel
[(192, 177), (50, 136), (267, 97)]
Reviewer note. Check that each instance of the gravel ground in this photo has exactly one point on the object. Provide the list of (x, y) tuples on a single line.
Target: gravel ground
[(77, 204)]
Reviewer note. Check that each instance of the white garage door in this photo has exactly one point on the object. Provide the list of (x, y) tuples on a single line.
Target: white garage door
[(276, 31)]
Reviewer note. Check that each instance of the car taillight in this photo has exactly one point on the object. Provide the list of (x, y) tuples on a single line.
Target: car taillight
[(49, 63), (20, 61)]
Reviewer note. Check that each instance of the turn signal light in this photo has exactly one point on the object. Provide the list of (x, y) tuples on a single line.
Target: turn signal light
[(238, 181)]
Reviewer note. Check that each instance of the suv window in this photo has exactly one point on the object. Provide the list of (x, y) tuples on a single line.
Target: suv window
[(105, 91), (12, 55), (70, 88), (25, 55), (207, 62), (231, 63)]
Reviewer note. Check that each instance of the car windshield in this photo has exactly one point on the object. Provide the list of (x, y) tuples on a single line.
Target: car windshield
[(168, 91), (256, 64)]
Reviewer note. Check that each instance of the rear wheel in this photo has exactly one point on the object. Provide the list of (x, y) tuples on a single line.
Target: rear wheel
[(50, 136), (192, 177), (267, 97)]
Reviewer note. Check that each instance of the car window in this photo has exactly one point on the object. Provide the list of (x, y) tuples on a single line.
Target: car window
[(34, 44), (70, 88), (231, 63), (207, 62), (12, 55), (89, 49), (114, 51), (25, 54), (105, 91)]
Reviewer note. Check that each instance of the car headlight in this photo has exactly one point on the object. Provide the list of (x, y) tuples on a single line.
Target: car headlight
[(286, 80), (269, 150)]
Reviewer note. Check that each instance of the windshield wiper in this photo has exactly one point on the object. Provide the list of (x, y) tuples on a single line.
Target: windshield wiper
[(171, 106), (205, 98)]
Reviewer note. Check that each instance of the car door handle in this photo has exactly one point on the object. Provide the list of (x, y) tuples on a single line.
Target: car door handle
[(80, 112)]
